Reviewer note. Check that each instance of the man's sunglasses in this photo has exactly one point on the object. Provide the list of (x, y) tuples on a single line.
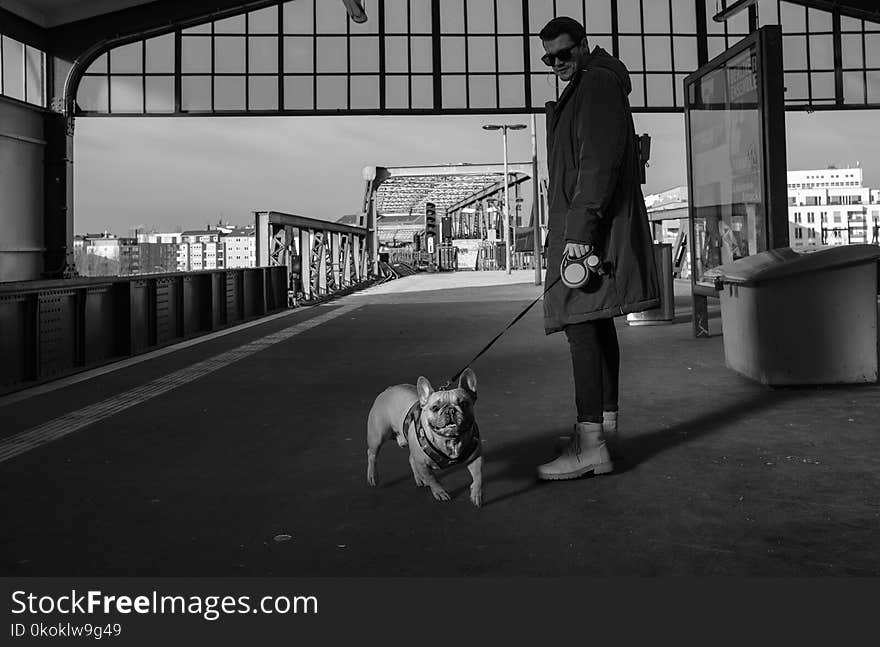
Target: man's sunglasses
[(563, 55)]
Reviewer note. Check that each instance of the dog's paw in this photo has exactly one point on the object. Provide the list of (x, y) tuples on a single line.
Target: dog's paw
[(419, 482), (372, 479), (477, 497), (440, 494)]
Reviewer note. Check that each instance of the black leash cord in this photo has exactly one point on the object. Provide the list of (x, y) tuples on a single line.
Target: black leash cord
[(497, 337)]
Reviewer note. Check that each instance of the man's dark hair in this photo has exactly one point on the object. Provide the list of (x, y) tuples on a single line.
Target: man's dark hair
[(563, 25)]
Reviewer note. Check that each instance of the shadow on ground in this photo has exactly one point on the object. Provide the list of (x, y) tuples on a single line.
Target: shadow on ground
[(517, 461)]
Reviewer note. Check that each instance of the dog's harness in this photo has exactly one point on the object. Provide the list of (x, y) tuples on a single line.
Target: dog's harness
[(413, 417)]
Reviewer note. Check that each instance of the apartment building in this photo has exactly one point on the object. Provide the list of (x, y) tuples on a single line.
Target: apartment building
[(157, 257), (240, 247), (831, 207), (183, 257), (106, 255), (154, 237), (202, 250), (190, 251)]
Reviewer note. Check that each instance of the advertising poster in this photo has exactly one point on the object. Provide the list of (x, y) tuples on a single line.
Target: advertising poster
[(725, 136)]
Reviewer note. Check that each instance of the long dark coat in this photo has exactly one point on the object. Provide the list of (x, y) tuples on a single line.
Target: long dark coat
[(595, 197)]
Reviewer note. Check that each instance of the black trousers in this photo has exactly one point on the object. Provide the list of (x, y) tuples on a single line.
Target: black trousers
[(595, 359)]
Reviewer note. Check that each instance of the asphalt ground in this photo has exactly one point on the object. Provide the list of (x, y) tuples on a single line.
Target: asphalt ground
[(256, 465)]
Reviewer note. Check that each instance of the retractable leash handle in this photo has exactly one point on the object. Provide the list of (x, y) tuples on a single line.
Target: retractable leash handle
[(576, 272)]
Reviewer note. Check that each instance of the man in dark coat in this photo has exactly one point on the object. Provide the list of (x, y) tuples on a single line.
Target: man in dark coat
[(596, 207)]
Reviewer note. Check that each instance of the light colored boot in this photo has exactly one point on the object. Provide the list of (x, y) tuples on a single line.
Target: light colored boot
[(609, 429), (584, 454)]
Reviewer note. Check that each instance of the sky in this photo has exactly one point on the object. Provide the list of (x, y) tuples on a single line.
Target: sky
[(167, 172)]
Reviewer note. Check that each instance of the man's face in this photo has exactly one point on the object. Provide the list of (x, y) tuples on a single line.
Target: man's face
[(564, 47)]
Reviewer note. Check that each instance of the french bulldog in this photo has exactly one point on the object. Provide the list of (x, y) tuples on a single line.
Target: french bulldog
[(438, 427)]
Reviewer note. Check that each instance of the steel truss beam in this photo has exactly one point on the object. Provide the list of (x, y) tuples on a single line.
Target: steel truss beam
[(406, 189), (323, 258)]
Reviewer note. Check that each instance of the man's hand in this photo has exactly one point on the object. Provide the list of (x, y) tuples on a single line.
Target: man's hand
[(576, 250)]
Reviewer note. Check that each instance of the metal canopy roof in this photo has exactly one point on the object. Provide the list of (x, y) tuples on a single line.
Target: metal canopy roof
[(406, 189), (71, 27), (68, 28), (164, 61), (865, 9), (51, 13)]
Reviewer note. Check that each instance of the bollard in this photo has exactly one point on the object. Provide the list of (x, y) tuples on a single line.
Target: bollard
[(665, 312)]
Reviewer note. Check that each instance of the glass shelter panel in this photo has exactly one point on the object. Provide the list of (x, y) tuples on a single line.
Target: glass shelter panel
[(724, 124), (735, 123)]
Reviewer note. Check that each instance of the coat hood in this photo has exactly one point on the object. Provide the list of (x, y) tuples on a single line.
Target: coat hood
[(600, 58)]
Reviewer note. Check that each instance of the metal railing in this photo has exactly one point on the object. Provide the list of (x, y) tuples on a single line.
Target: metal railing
[(321, 259), (49, 329)]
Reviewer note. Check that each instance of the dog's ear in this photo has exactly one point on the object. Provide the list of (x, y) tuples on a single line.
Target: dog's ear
[(468, 381), (424, 389)]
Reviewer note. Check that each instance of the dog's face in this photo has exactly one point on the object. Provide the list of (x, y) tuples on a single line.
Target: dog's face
[(448, 414)]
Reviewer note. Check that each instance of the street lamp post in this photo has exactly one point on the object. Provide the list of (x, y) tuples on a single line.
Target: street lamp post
[(504, 128)]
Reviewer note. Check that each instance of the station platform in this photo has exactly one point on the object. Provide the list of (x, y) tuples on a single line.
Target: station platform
[(243, 454)]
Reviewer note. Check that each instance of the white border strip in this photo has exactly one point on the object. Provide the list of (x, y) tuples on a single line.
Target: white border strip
[(74, 421)]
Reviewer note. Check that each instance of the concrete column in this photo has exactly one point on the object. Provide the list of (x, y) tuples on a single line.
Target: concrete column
[(263, 234)]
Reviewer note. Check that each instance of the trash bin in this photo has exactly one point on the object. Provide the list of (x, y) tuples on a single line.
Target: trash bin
[(801, 317), (665, 312)]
